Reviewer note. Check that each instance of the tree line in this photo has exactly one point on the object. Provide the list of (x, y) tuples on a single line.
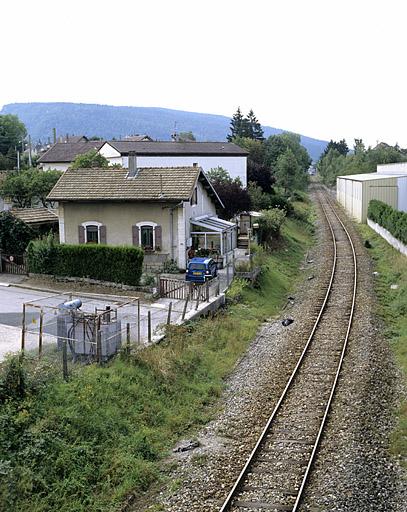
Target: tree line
[(339, 160)]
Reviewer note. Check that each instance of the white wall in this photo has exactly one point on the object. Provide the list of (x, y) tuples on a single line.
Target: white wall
[(398, 168), (56, 165), (235, 165), (402, 194)]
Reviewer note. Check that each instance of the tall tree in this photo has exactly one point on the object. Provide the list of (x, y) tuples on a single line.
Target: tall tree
[(237, 126), (28, 187), (90, 160), (288, 172), (341, 147), (253, 127), (186, 137), (258, 170), (12, 133), (235, 198)]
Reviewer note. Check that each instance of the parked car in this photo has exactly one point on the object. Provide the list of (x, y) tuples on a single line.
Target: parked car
[(201, 270)]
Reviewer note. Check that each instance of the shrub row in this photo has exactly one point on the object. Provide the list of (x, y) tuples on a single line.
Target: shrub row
[(394, 221), (118, 264)]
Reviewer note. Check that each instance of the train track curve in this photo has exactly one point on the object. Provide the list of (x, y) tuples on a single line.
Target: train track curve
[(276, 473)]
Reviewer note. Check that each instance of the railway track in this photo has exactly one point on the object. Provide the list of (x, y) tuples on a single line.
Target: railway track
[(276, 472)]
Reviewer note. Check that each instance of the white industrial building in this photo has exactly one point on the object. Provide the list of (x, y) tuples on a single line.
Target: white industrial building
[(388, 184)]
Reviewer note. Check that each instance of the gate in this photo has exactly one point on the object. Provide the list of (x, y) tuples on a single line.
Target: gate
[(180, 290), (13, 264)]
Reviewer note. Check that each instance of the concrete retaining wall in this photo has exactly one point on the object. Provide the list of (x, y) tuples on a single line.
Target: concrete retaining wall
[(388, 237)]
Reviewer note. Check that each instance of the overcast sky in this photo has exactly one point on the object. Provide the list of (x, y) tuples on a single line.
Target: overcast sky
[(323, 68)]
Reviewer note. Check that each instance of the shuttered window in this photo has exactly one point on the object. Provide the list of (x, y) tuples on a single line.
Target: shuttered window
[(92, 234)]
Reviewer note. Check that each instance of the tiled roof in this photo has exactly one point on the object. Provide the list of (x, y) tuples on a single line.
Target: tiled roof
[(68, 151), (150, 184), (178, 148), (35, 215)]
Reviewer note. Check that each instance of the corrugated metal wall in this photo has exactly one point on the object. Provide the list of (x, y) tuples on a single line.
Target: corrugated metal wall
[(355, 195)]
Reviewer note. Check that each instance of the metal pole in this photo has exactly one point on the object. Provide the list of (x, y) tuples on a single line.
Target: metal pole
[(207, 291), (197, 299), (65, 359), (185, 307), (227, 270), (99, 346), (149, 326), (169, 313), (138, 321), (30, 163), (23, 331), (40, 335), (128, 337)]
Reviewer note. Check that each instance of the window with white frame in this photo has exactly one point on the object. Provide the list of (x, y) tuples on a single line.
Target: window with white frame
[(149, 235), (92, 232)]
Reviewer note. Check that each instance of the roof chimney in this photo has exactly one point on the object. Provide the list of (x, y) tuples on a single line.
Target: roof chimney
[(132, 164)]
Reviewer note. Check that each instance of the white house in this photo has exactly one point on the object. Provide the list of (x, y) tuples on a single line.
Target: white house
[(207, 155), (164, 210)]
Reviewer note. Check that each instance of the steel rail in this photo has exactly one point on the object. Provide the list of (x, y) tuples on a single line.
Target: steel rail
[(339, 368), (228, 501)]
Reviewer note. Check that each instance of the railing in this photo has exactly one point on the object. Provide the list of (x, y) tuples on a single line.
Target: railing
[(13, 264), (181, 290)]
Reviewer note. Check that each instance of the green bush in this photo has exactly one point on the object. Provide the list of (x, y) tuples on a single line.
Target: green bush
[(270, 223), (118, 264), (394, 221), (14, 234)]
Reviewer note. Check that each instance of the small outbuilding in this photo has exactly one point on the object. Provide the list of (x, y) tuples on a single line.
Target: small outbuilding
[(354, 192)]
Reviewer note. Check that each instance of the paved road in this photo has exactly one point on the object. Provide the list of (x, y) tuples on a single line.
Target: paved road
[(11, 305)]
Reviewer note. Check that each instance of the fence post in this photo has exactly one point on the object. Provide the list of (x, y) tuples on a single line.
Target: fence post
[(40, 334), (65, 359), (169, 313), (197, 299), (138, 321), (128, 337), (227, 270), (149, 326), (99, 346), (207, 291), (23, 331), (185, 307)]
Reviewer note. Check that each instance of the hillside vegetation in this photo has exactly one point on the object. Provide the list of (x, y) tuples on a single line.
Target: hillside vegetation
[(87, 444)]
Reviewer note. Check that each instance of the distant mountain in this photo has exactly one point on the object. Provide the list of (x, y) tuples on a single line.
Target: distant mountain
[(111, 122)]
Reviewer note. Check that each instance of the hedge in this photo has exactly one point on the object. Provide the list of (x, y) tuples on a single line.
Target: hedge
[(393, 220), (118, 264)]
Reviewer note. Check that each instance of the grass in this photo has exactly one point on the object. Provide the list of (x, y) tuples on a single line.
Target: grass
[(87, 444), (391, 266)]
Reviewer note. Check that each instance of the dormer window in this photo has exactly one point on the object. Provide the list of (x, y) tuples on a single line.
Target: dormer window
[(194, 197)]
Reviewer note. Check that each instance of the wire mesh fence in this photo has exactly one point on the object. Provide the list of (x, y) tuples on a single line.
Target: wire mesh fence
[(72, 328)]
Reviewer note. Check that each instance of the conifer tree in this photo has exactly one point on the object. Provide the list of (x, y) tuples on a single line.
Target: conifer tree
[(237, 125), (253, 127)]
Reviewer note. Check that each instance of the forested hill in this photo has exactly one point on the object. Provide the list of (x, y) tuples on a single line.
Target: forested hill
[(108, 122)]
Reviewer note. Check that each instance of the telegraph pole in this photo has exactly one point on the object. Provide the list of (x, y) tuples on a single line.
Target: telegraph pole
[(30, 164)]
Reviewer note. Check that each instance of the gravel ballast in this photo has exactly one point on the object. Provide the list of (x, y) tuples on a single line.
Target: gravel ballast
[(353, 471)]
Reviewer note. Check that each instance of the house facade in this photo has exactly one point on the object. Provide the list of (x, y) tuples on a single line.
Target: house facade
[(158, 209), (151, 154), (207, 155)]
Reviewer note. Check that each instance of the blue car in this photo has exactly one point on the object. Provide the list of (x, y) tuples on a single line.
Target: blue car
[(201, 269)]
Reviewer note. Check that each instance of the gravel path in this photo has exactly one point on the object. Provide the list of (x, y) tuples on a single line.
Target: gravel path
[(352, 470)]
